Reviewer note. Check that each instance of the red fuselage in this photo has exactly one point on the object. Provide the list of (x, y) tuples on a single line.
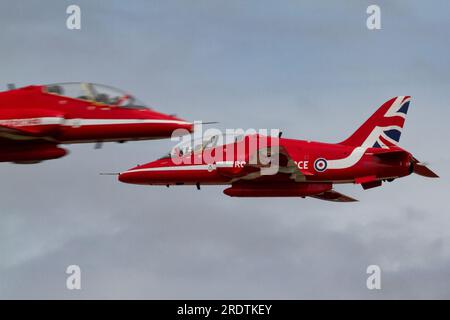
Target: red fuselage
[(296, 174), (33, 121), (257, 166)]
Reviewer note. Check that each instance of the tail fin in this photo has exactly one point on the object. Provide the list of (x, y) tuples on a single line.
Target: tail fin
[(384, 127)]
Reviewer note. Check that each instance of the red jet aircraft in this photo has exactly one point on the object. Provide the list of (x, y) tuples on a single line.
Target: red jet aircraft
[(34, 120), (303, 168)]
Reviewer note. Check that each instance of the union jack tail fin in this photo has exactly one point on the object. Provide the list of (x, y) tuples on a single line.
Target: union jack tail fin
[(384, 127)]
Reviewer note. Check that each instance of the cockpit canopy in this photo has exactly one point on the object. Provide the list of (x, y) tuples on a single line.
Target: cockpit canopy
[(96, 93), (194, 145)]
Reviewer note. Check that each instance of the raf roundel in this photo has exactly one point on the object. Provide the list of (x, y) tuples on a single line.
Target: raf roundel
[(320, 165)]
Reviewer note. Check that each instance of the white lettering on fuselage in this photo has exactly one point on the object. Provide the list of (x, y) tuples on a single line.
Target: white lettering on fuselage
[(302, 165), (240, 164)]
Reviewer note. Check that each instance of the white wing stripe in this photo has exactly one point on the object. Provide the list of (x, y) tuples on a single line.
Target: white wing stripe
[(44, 121)]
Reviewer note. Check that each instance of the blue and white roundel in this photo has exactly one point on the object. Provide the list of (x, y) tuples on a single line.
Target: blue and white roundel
[(320, 165)]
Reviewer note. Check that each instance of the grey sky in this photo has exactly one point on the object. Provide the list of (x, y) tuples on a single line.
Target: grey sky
[(311, 69)]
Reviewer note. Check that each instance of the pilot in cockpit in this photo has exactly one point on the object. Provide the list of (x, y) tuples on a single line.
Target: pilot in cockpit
[(96, 93)]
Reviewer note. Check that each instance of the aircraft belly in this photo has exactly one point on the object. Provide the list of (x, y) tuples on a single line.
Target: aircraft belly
[(189, 174)]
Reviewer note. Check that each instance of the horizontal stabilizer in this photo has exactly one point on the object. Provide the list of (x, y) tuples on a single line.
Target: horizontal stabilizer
[(334, 196), (424, 171), (387, 154)]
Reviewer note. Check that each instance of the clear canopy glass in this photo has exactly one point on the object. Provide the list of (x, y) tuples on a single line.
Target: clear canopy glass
[(194, 144), (97, 93)]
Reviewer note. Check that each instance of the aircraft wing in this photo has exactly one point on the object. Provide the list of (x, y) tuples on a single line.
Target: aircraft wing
[(334, 196), (9, 133), (287, 163), (261, 163)]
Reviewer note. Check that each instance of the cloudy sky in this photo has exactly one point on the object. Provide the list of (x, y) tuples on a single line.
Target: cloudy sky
[(311, 69)]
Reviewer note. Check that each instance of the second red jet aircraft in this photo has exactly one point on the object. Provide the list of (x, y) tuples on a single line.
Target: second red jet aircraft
[(35, 120)]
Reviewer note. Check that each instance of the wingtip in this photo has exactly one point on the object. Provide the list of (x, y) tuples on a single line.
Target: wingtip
[(334, 196), (210, 122)]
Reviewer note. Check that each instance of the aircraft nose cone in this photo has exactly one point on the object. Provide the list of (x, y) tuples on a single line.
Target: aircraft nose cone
[(130, 176), (124, 177)]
